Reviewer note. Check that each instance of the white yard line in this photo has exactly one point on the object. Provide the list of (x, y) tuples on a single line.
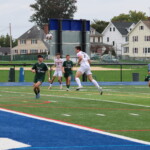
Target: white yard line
[(102, 115), (134, 114), (86, 99), (67, 115)]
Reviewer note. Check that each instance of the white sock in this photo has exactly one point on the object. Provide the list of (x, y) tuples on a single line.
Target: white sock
[(95, 83), (78, 82), (50, 85)]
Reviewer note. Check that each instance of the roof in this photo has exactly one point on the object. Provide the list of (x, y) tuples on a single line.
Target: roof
[(5, 50), (34, 33), (147, 23), (122, 26), (96, 33)]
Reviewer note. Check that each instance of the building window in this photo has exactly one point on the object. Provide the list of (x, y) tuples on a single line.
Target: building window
[(135, 50), (135, 38), (107, 39), (146, 50), (113, 43), (92, 32), (23, 51), (110, 29), (126, 39), (32, 51), (33, 41), (126, 50), (41, 51), (22, 41), (141, 28), (147, 38), (16, 51), (114, 29)]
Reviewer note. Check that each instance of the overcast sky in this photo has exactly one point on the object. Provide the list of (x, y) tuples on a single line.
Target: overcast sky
[(18, 12)]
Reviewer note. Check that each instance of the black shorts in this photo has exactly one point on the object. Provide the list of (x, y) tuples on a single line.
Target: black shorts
[(66, 75)]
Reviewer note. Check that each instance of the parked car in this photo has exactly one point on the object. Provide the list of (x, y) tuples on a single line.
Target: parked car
[(109, 58)]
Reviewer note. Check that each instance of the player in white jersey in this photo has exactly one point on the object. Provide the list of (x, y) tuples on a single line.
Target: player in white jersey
[(58, 72), (84, 62)]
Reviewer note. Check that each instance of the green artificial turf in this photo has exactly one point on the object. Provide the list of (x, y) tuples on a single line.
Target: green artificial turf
[(123, 110)]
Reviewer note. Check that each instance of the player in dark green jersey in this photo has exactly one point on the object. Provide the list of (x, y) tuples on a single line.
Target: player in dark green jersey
[(40, 70), (67, 70)]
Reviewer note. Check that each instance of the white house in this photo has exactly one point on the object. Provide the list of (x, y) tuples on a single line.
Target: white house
[(138, 45), (116, 34)]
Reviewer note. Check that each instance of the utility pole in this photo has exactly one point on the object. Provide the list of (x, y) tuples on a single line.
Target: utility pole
[(11, 53)]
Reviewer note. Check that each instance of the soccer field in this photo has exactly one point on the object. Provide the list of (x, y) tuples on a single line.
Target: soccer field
[(122, 110)]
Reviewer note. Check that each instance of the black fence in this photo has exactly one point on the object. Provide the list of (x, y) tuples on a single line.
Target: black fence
[(101, 72)]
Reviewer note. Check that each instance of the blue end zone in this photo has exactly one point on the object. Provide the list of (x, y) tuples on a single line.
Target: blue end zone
[(72, 83), (44, 135)]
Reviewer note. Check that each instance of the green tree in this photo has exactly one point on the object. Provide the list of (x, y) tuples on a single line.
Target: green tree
[(5, 41), (132, 16), (45, 9), (99, 25)]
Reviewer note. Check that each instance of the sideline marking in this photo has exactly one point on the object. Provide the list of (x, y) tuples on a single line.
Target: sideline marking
[(67, 115), (86, 99), (134, 114), (6, 143), (76, 126), (101, 115)]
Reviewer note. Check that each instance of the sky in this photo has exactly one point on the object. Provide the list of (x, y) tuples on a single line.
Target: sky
[(18, 12)]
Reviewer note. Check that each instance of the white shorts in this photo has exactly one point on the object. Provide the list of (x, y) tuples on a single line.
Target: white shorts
[(85, 69), (58, 73)]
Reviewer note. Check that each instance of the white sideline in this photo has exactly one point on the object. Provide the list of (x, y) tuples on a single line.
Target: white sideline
[(6, 143), (76, 126), (86, 99)]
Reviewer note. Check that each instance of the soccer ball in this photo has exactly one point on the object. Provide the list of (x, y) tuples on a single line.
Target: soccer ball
[(49, 36)]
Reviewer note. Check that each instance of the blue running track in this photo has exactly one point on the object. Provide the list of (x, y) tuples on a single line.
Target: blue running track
[(48, 135), (72, 83)]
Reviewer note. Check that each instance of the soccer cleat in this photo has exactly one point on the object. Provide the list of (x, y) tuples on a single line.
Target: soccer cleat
[(78, 88), (38, 96), (67, 89), (100, 90)]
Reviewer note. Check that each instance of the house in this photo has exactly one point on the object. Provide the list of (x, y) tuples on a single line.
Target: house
[(31, 42), (95, 37), (4, 51), (138, 45), (116, 34), (96, 43)]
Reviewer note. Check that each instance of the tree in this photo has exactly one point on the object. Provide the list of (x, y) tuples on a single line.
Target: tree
[(5, 41), (132, 16), (45, 9), (99, 25)]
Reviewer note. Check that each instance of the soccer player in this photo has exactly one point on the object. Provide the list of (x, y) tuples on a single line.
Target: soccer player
[(84, 61), (67, 70), (58, 72), (40, 70)]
